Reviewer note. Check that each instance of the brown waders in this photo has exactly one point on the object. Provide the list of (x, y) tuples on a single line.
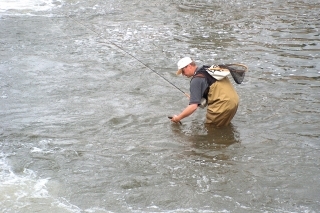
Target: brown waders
[(223, 103)]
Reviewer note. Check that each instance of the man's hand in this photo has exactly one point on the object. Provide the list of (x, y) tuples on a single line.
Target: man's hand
[(174, 119)]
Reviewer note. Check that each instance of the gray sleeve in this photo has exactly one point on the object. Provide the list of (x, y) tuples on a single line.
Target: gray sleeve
[(197, 88)]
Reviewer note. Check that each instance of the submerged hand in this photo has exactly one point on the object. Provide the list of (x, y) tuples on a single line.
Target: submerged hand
[(175, 119)]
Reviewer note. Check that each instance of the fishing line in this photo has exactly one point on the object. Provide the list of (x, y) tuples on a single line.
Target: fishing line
[(129, 55)]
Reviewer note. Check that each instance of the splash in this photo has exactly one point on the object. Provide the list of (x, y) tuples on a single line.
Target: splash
[(28, 192)]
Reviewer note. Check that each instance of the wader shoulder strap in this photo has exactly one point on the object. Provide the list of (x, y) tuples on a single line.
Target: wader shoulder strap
[(202, 73)]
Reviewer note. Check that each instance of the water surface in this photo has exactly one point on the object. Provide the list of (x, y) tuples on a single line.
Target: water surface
[(84, 125)]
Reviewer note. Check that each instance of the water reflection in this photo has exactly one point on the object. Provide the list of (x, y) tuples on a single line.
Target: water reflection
[(206, 141), (216, 137)]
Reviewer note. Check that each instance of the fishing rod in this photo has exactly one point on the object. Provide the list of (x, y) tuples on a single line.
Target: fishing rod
[(130, 55)]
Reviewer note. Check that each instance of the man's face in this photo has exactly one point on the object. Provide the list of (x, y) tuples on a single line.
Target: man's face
[(188, 71)]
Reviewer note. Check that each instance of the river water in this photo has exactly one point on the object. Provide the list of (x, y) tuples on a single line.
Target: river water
[(84, 125)]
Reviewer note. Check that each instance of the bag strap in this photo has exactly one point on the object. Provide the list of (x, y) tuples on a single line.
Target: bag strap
[(202, 73)]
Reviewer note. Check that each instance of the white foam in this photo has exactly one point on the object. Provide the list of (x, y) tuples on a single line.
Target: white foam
[(33, 5), (26, 191)]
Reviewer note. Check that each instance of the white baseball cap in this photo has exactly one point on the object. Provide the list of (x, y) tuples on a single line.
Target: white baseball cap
[(182, 63)]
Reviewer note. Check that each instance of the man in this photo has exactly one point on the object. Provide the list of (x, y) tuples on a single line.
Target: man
[(222, 99)]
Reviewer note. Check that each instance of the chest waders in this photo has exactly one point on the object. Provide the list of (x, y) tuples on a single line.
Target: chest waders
[(222, 99)]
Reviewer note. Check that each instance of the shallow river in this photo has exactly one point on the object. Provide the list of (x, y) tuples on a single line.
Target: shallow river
[(84, 127)]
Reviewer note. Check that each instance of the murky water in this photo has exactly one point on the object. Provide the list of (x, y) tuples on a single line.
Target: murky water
[(84, 126)]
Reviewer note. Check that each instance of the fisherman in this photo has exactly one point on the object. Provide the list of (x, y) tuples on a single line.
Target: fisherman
[(220, 95)]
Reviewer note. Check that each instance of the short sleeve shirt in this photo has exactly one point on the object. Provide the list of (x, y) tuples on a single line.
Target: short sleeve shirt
[(198, 86)]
